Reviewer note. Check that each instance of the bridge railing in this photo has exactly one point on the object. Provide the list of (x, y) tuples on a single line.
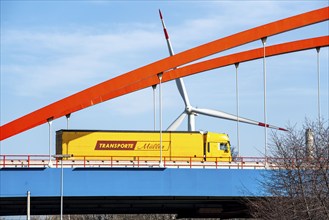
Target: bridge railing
[(83, 161)]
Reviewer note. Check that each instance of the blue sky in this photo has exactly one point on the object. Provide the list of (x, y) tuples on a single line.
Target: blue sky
[(52, 49)]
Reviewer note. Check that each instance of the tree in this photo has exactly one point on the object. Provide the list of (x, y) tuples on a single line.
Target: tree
[(234, 153), (298, 185)]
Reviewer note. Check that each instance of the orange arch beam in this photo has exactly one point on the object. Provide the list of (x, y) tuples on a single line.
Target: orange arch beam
[(186, 71), (245, 56), (102, 91)]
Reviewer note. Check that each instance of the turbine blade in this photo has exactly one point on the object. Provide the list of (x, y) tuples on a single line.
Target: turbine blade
[(223, 115), (179, 82), (182, 91), (177, 122), (170, 49)]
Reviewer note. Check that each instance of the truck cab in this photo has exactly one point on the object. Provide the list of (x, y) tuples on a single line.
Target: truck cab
[(217, 147)]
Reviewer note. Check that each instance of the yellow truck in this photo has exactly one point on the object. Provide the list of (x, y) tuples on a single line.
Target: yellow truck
[(143, 145)]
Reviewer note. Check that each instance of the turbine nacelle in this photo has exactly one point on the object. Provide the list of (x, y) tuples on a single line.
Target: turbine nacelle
[(189, 110)]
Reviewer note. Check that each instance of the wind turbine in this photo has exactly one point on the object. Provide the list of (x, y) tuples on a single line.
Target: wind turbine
[(191, 111)]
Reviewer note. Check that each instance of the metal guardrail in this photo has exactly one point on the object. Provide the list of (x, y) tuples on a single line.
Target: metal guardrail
[(44, 161)]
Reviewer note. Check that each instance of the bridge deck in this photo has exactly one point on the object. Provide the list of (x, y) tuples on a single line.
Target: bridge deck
[(137, 190)]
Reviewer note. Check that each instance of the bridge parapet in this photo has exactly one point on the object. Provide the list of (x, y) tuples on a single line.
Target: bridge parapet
[(42, 161)]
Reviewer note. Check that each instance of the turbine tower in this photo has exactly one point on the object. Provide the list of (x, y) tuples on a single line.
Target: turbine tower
[(191, 111)]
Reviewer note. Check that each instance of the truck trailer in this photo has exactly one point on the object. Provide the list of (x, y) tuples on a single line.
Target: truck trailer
[(143, 145)]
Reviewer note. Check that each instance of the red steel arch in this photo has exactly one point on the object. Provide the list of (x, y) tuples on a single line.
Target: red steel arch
[(146, 76), (218, 62), (245, 56)]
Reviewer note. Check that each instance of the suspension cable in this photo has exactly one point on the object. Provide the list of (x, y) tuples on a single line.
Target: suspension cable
[(318, 72), (265, 115), (237, 107)]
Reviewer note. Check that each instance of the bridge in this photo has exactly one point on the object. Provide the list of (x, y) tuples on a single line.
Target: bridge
[(181, 186), (188, 192)]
